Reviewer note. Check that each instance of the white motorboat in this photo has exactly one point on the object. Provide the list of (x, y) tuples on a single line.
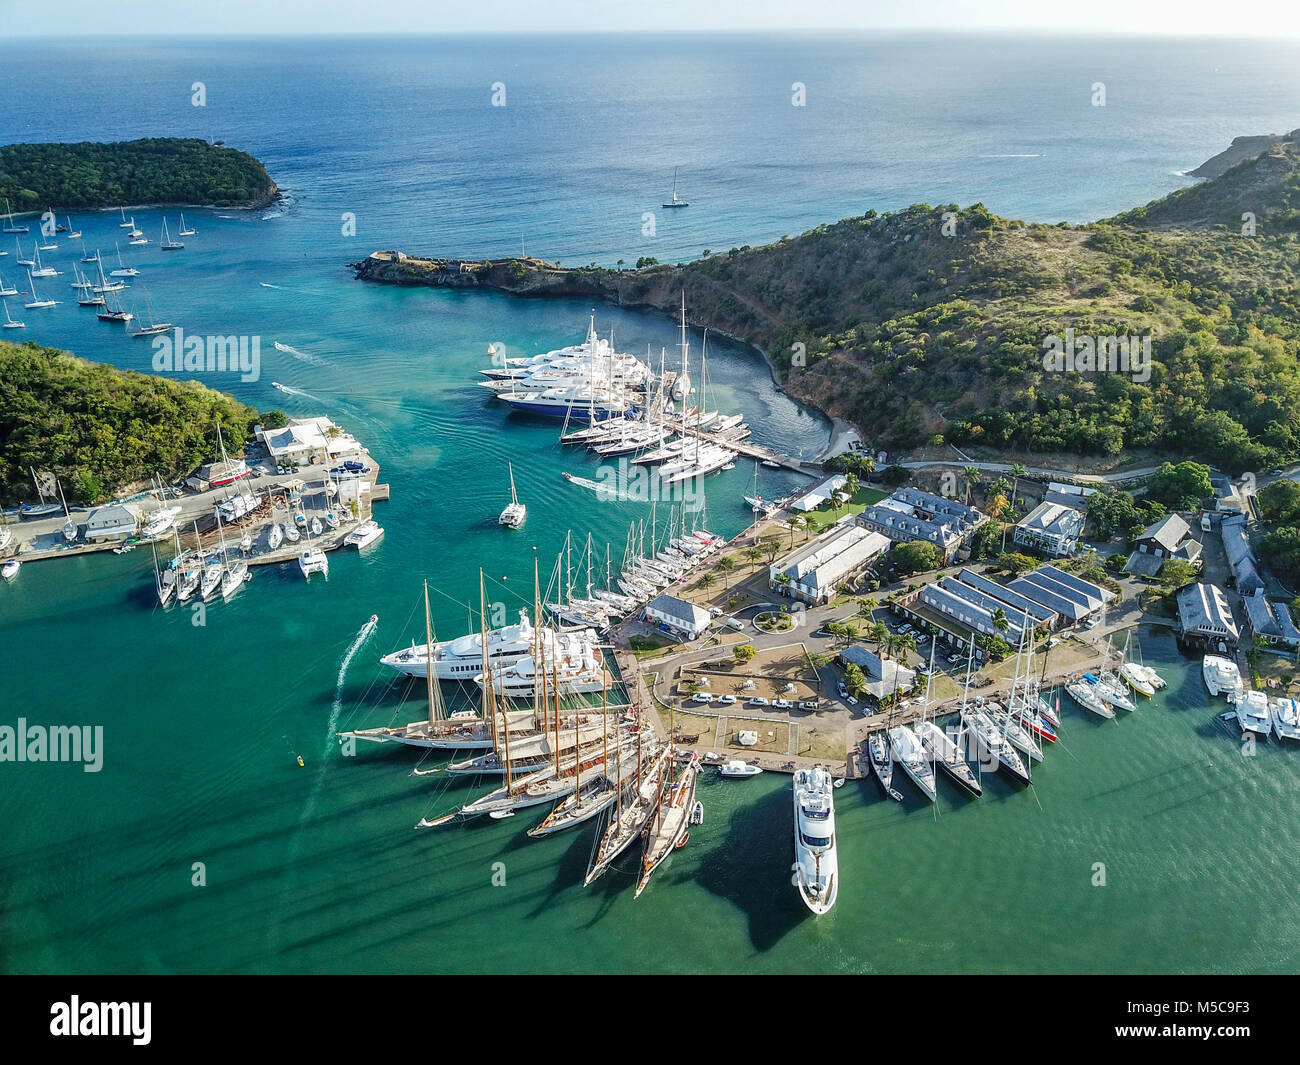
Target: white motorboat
[(515, 512), (1286, 718), (737, 769), (1222, 676), (10, 569), (367, 533), (1137, 678), (1253, 713), (908, 752), (816, 866), (276, 536), (313, 560), (462, 658)]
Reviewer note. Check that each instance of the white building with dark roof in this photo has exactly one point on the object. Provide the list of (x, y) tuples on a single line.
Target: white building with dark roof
[(884, 675), (678, 615), (812, 573), (1052, 528), (116, 521), (1241, 557)]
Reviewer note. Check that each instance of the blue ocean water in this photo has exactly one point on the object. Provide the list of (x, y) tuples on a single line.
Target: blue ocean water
[(316, 868)]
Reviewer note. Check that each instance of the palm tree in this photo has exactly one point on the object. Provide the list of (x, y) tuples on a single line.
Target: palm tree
[(851, 483), (707, 581), (1000, 622), (754, 553), (971, 476), (850, 631), (879, 633), (727, 564), (1017, 471), (794, 522)]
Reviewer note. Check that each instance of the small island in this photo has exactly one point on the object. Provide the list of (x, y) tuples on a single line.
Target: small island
[(156, 171)]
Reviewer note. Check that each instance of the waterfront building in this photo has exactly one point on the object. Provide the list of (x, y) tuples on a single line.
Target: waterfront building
[(1271, 621), (679, 616), (1205, 618), (116, 521)]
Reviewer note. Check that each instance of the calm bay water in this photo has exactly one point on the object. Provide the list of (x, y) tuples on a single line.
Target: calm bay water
[(317, 868)]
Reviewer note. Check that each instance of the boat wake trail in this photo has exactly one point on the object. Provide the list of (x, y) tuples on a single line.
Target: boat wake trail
[(595, 486), (365, 632), (265, 284), (289, 390), (301, 355)]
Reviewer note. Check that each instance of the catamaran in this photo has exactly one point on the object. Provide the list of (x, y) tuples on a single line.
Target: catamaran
[(1286, 718), (366, 533), (1221, 675), (515, 512), (313, 560)]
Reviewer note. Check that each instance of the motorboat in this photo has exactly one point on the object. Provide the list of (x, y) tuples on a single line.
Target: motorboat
[(1222, 677), (737, 770), (816, 868), (1286, 718)]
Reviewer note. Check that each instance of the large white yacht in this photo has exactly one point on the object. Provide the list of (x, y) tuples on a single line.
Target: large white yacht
[(571, 663), (1286, 718), (1221, 675), (1253, 714), (817, 874), (462, 658)]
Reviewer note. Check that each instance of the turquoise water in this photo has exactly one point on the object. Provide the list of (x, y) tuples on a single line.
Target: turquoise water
[(317, 868)]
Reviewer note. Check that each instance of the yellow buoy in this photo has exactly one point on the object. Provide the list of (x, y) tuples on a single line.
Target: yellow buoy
[(300, 761)]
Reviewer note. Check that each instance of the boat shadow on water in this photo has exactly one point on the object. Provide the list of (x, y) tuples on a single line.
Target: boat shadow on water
[(750, 867)]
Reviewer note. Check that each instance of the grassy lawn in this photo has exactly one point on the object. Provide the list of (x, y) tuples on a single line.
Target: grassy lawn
[(826, 515), (821, 741), (650, 646), (696, 725)]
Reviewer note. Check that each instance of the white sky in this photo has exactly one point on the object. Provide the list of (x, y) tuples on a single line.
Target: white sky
[(55, 18)]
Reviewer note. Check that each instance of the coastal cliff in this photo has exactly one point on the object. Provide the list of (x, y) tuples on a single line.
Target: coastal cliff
[(926, 327)]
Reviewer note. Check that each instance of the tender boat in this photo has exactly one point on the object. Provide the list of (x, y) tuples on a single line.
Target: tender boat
[(10, 569), (1253, 713), (738, 770), (816, 867)]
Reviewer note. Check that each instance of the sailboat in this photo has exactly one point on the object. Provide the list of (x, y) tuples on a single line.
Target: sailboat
[(882, 765), (991, 740), (940, 748), (73, 234), (69, 526), (7, 290), (111, 314), (164, 581), (515, 512), (167, 243), (40, 270), (153, 328), (37, 302), (86, 257), (124, 224), (122, 269), (676, 201), (667, 829), (9, 322), (9, 226), (86, 294), (183, 231), (45, 494)]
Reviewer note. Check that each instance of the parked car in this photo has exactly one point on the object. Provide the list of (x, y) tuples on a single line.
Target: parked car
[(758, 700), (701, 697), (726, 700), (844, 690), (903, 630), (924, 670), (956, 657), (782, 704), (734, 623), (851, 701), (808, 704)]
